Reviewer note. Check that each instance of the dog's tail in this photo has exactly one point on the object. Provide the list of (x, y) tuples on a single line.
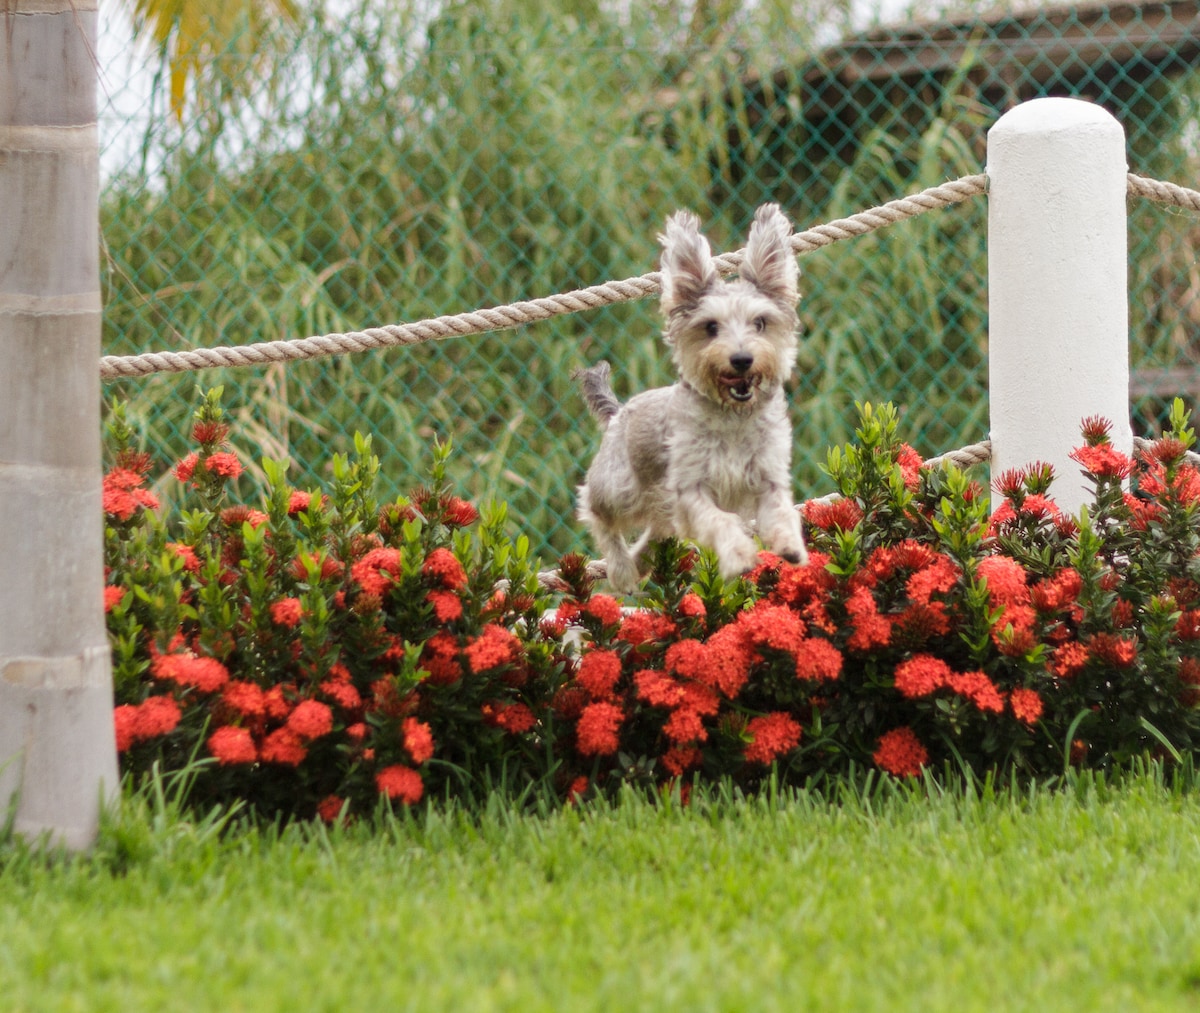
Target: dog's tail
[(597, 392)]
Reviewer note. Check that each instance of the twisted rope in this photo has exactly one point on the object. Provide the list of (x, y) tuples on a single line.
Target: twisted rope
[(515, 314), (976, 453), (503, 317), (1164, 193)]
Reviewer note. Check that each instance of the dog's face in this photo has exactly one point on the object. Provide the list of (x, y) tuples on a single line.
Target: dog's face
[(734, 341)]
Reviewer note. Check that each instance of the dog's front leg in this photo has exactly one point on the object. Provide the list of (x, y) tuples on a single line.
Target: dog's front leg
[(700, 519), (779, 525)]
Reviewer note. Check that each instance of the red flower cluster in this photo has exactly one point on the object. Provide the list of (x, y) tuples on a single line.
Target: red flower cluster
[(122, 494), (154, 717), (901, 753), (328, 657), (772, 735)]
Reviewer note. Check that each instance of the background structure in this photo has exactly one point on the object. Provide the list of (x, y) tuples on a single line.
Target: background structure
[(333, 170)]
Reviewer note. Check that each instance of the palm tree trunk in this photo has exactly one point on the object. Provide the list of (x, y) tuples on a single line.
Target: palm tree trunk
[(57, 751)]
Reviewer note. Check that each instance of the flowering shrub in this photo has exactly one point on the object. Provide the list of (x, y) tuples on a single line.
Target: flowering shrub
[(324, 651)]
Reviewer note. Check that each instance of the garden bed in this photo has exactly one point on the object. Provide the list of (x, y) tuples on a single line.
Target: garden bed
[(321, 653)]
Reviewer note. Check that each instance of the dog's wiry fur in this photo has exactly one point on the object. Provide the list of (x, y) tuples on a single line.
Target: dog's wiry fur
[(703, 458)]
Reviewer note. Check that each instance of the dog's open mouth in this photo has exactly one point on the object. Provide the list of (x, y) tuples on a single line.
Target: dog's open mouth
[(739, 386)]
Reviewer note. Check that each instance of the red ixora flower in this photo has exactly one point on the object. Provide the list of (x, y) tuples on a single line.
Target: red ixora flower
[(344, 693), (938, 577), (1120, 652), (458, 513), (330, 808), (642, 627), (910, 465), (1068, 659), (1026, 705), (979, 689), (901, 753), (447, 606), (1104, 461), (191, 562), (186, 468), (400, 782), (122, 494), (286, 612), (284, 747), (494, 647), (205, 674), (155, 716), (691, 606), (658, 689), (299, 501), (728, 658), (418, 740), (378, 570), (603, 608), (440, 659), (870, 628), (247, 698), (514, 718), (596, 729), (1007, 581), (841, 513), (1010, 483), (113, 595), (921, 675), (1095, 430), (206, 431), (773, 626), (224, 464), (817, 660), (772, 736), (232, 746), (311, 720), (443, 567), (599, 671)]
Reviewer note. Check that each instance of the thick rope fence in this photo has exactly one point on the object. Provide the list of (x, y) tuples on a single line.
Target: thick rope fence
[(482, 321), (533, 311), (517, 314)]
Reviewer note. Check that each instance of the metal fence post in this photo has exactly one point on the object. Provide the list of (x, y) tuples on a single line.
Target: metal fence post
[(57, 749), (1058, 342)]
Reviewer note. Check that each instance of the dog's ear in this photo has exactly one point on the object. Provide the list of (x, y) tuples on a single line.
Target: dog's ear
[(687, 267), (770, 264)]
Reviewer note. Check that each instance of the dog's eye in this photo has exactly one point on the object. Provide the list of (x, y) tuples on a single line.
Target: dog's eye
[(711, 328), (760, 324)]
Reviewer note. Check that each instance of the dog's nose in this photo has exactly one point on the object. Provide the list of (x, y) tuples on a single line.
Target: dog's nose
[(741, 361)]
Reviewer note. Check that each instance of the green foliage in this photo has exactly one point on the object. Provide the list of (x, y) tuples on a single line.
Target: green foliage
[(331, 650)]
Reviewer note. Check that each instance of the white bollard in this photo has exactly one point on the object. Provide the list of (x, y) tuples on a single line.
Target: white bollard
[(1058, 342)]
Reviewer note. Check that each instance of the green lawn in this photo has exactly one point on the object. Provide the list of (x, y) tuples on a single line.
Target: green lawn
[(1087, 899)]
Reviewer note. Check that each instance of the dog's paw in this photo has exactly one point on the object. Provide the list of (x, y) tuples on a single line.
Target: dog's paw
[(622, 575), (737, 557), (798, 556)]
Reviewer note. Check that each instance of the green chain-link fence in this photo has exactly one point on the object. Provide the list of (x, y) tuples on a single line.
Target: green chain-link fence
[(380, 167)]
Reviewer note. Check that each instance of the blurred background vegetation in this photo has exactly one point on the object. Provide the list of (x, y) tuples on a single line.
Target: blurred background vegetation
[(308, 166)]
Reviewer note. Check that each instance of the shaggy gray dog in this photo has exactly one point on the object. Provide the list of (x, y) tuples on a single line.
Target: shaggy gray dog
[(709, 456)]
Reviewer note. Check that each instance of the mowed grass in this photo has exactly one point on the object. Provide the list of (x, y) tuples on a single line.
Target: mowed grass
[(1083, 899)]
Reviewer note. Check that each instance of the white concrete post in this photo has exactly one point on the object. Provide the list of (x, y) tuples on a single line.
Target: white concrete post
[(1058, 343), (57, 749)]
